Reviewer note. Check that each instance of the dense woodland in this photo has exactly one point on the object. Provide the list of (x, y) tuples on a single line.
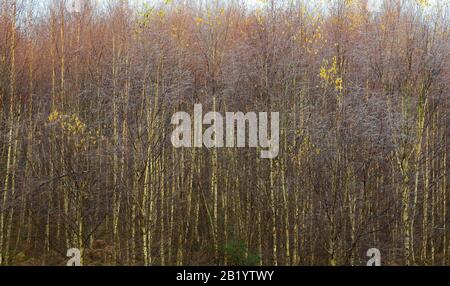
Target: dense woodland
[(86, 160)]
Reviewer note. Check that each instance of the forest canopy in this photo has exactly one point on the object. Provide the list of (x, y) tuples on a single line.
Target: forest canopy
[(86, 160)]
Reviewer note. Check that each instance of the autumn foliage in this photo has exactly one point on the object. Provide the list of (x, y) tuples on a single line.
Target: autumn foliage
[(86, 159)]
